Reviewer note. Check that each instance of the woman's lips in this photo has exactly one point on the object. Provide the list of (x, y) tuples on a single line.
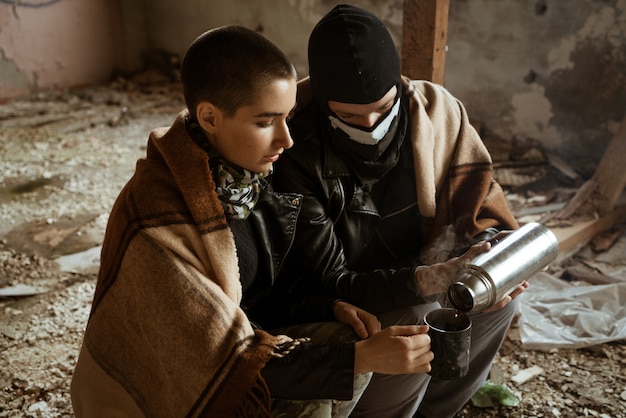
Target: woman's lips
[(272, 158)]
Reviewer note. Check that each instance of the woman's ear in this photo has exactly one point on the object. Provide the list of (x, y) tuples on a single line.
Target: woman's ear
[(208, 116)]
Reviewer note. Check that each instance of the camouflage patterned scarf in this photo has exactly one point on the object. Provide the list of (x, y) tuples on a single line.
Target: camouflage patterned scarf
[(237, 188)]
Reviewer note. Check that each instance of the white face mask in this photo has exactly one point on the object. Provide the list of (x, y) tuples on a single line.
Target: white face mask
[(368, 137)]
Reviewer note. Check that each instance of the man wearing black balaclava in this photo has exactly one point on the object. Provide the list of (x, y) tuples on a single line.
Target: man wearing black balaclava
[(397, 185)]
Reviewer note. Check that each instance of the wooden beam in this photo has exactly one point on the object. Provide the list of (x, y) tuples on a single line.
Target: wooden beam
[(572, 238), (424, 38), (600, 202), (600, 194), (610, 174)]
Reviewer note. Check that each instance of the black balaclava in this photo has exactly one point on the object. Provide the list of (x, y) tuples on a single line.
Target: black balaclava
[(352, 58)]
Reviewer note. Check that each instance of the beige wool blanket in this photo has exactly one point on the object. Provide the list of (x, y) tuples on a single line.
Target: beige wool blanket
[(166, 336), (453, 168)]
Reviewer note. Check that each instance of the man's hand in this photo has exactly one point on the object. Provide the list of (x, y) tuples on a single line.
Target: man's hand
[(398, 349), (436, 278), (500, 236), (364, 323), (508, 298)]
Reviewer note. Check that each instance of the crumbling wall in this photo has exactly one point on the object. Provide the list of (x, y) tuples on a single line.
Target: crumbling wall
[(549, 71), (57, 43)]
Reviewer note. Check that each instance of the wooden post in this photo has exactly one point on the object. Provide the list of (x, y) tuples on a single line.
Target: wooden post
[(424, 37), (600, 202), (610, 174)]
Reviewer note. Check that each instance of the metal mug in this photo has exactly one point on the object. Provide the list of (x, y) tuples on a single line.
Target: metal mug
[(450, 336)]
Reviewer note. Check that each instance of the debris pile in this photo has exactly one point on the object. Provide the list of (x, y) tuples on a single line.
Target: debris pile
[(66, 155)]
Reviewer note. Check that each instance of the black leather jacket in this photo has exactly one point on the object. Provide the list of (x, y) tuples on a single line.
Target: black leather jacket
[(342, 224), (311, 371), (269, 302), (361, 243)]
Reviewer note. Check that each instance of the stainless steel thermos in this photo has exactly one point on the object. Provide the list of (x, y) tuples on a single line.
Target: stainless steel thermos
[(495, 273)]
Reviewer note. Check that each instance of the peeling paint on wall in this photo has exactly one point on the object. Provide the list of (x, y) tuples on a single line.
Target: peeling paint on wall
[(551, 71), (13, 79), (559, 58), (533, 113), (31, 4), (547, 70), (588, 92), (54, 43)]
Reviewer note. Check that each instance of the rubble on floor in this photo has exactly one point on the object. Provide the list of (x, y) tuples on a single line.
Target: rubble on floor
[(66, 155)]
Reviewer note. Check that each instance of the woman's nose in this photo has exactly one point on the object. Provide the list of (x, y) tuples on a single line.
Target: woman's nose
[(283, 136)]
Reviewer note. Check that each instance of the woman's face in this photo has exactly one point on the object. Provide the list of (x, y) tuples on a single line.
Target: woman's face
[(255, 136)]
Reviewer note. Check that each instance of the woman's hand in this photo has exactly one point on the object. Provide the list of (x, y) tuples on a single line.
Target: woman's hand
[(364, 323), (436, 278), (398, 349)]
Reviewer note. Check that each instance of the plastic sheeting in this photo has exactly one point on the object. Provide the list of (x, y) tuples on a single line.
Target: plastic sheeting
[(557, 314)]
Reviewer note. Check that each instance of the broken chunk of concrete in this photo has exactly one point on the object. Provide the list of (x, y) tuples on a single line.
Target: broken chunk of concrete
[(525, 375)]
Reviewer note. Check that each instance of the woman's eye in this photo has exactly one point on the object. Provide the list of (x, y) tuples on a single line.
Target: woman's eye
[(265, 124)]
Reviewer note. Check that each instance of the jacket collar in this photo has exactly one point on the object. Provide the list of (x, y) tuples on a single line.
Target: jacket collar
[(275, 216)]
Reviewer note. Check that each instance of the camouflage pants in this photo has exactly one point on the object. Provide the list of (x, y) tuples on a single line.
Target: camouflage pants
[(322, 332)]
